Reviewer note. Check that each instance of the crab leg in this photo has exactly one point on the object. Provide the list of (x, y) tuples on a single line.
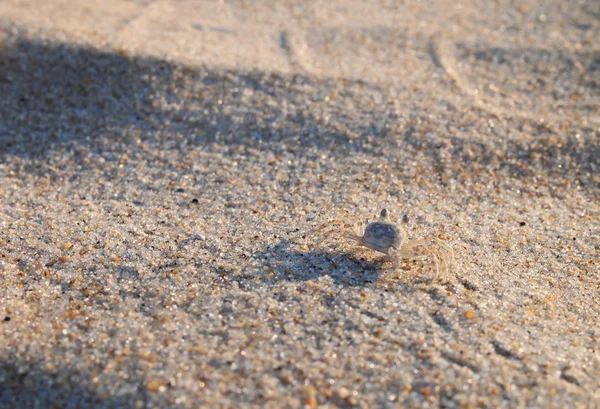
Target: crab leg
[(448, 249)]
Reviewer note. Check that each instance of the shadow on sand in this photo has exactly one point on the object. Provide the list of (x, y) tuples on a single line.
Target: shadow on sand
[(353, 268), (28, 385), (60, 96)]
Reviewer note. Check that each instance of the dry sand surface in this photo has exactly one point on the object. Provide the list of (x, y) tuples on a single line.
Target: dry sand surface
[(163, 165)]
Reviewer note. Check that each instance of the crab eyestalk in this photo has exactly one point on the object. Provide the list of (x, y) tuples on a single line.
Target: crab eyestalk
[(383, 215)]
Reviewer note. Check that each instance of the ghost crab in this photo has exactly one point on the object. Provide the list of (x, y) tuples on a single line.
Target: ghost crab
[(390, 239)]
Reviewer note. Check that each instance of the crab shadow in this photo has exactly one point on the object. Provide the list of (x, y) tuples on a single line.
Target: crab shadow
[(282, 262)]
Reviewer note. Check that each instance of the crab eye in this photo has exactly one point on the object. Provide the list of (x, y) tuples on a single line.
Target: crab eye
[(383, 213)]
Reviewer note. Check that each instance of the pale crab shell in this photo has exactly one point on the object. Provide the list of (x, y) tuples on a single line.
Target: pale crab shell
[(382, 236)]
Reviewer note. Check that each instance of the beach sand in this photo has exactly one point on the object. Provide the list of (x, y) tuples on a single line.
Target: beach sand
[(164, 165)]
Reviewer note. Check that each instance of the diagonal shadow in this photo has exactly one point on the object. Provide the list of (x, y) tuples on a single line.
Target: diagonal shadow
[(63, 96), (58, 96)]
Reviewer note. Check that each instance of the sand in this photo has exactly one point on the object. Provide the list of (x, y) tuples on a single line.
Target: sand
[(164, 165)]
